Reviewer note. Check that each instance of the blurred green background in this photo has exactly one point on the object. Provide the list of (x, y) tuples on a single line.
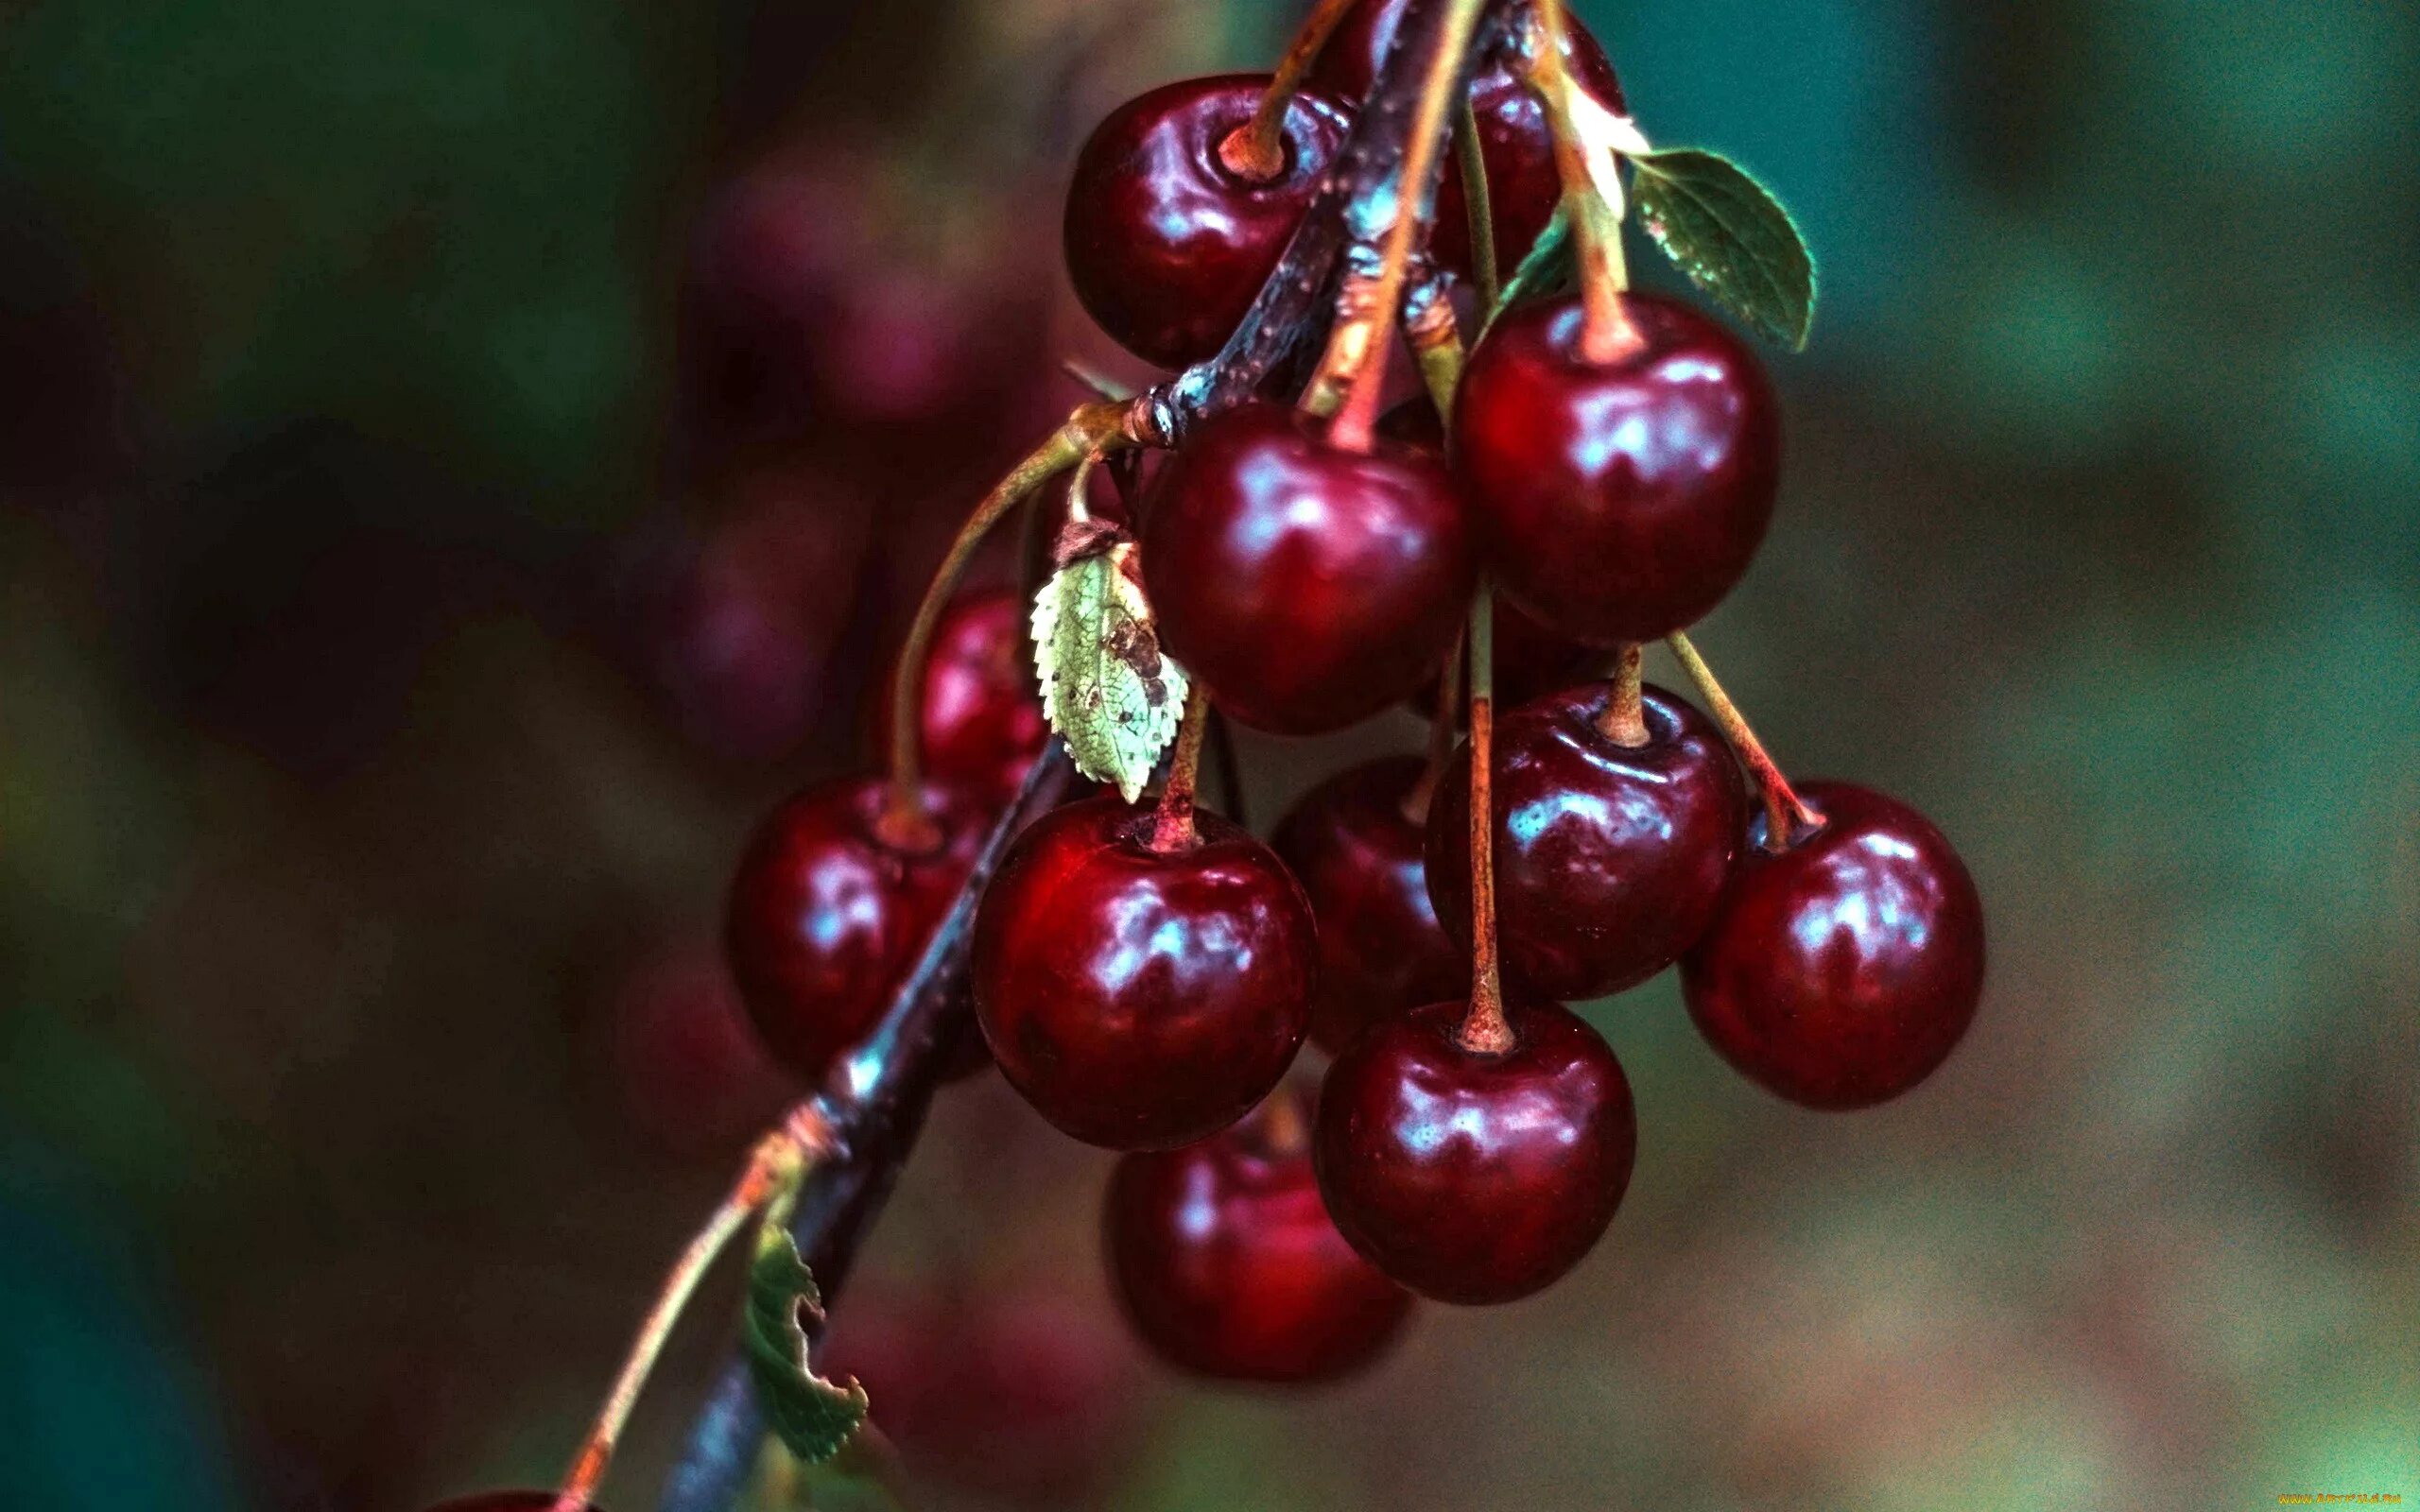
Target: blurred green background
[(392, 654)]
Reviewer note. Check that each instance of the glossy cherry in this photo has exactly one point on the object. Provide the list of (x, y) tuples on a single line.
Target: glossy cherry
[(1610, 859), (1165, 243), (1473, 1177), (1307, 585), (1142, 999), (1514, 142), (1618, 501), (1229, 1265), (1357, 853), (506, 1502), (825, 916), (982, 724), (1843, 971)]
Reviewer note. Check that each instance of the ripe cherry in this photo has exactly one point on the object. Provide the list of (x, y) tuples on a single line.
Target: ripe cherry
[(506, 1502), (982, 724), (687, 1069), (1469, 1176), (1610, 859), (1229, 1265), (826, 916), (1308, 586), (1142, 999), (1356, 849), (1167, 245), (1513, 143), (1618, 501), (1842, 972)]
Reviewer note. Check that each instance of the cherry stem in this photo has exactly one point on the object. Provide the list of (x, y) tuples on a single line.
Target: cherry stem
[(1279, 1125), (1606, 334), (1436, 342), (1367, 308), (1786, 813), (1172, 828), (1624, 721), (1482, 216), (1441, 729), (1222, 742), (780, 1159), (905, 823), (1255, 151), (1484, 1030)]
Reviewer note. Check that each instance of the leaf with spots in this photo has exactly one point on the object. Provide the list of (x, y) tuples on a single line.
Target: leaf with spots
[(1731, 236), (1106, 687)]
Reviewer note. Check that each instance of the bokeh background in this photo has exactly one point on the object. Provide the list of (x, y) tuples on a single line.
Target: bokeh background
[(404, 612)]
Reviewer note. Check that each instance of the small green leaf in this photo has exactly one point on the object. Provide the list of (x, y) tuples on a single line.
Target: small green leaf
[(1731, 236), (812, 1416), (1106, 688), (862, 1477), (1548, 268)]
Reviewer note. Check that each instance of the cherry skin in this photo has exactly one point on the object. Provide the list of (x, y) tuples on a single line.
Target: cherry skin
[(1514, 142), (1229, 1265), (982, 723), (506, 1502), (1473, 1177), (1142, 999), (1357, 853), (1308, 586), (1843, 971), (1610, 859), (825, 917), (1165, 243), (1618, 501)]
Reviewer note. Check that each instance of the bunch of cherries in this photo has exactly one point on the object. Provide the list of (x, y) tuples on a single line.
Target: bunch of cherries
[(1146, 973)]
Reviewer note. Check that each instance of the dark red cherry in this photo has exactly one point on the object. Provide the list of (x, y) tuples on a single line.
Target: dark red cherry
[(687, 1071), (1165, 243), (1356, 851), (1618, 501), (1142, 999), (1475, 1178), (1229, 1265), (1521, 181), (1843, 971), (982, 725), (1610, 859), (825, 917), (1308, 586), (506, 1502)]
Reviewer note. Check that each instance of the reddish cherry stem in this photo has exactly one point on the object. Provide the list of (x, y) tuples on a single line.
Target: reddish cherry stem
[(1255, 150), (905, 824), (1484, 1030), (1624, 721), (1605, 332), (778, 1159), (1279, 1128), (1786, 813), (1172, 827)]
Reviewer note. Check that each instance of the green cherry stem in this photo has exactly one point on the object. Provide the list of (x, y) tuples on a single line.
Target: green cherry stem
[(1482, 217), (905, 824), (1786, 813), (1436, 343), (778, 1162), (1255, 150), (1172, 827), (1484, 1030)]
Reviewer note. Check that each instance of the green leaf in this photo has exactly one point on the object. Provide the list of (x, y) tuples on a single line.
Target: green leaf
[(1731, 236), (1548, 268), (1106, 688), (813, 1418), (862, 1477)]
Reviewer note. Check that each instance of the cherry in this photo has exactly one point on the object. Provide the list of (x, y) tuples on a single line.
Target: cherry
[(825, 916), (1619, 501), (1306, 586), (1843, 971), (1522, 186), (1357, 851), (1610, 859), (1166, 246), (1141, 999), (688, 1071), (1229, 1265), (982, 725), (1475, 1178), (506, 1502)]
